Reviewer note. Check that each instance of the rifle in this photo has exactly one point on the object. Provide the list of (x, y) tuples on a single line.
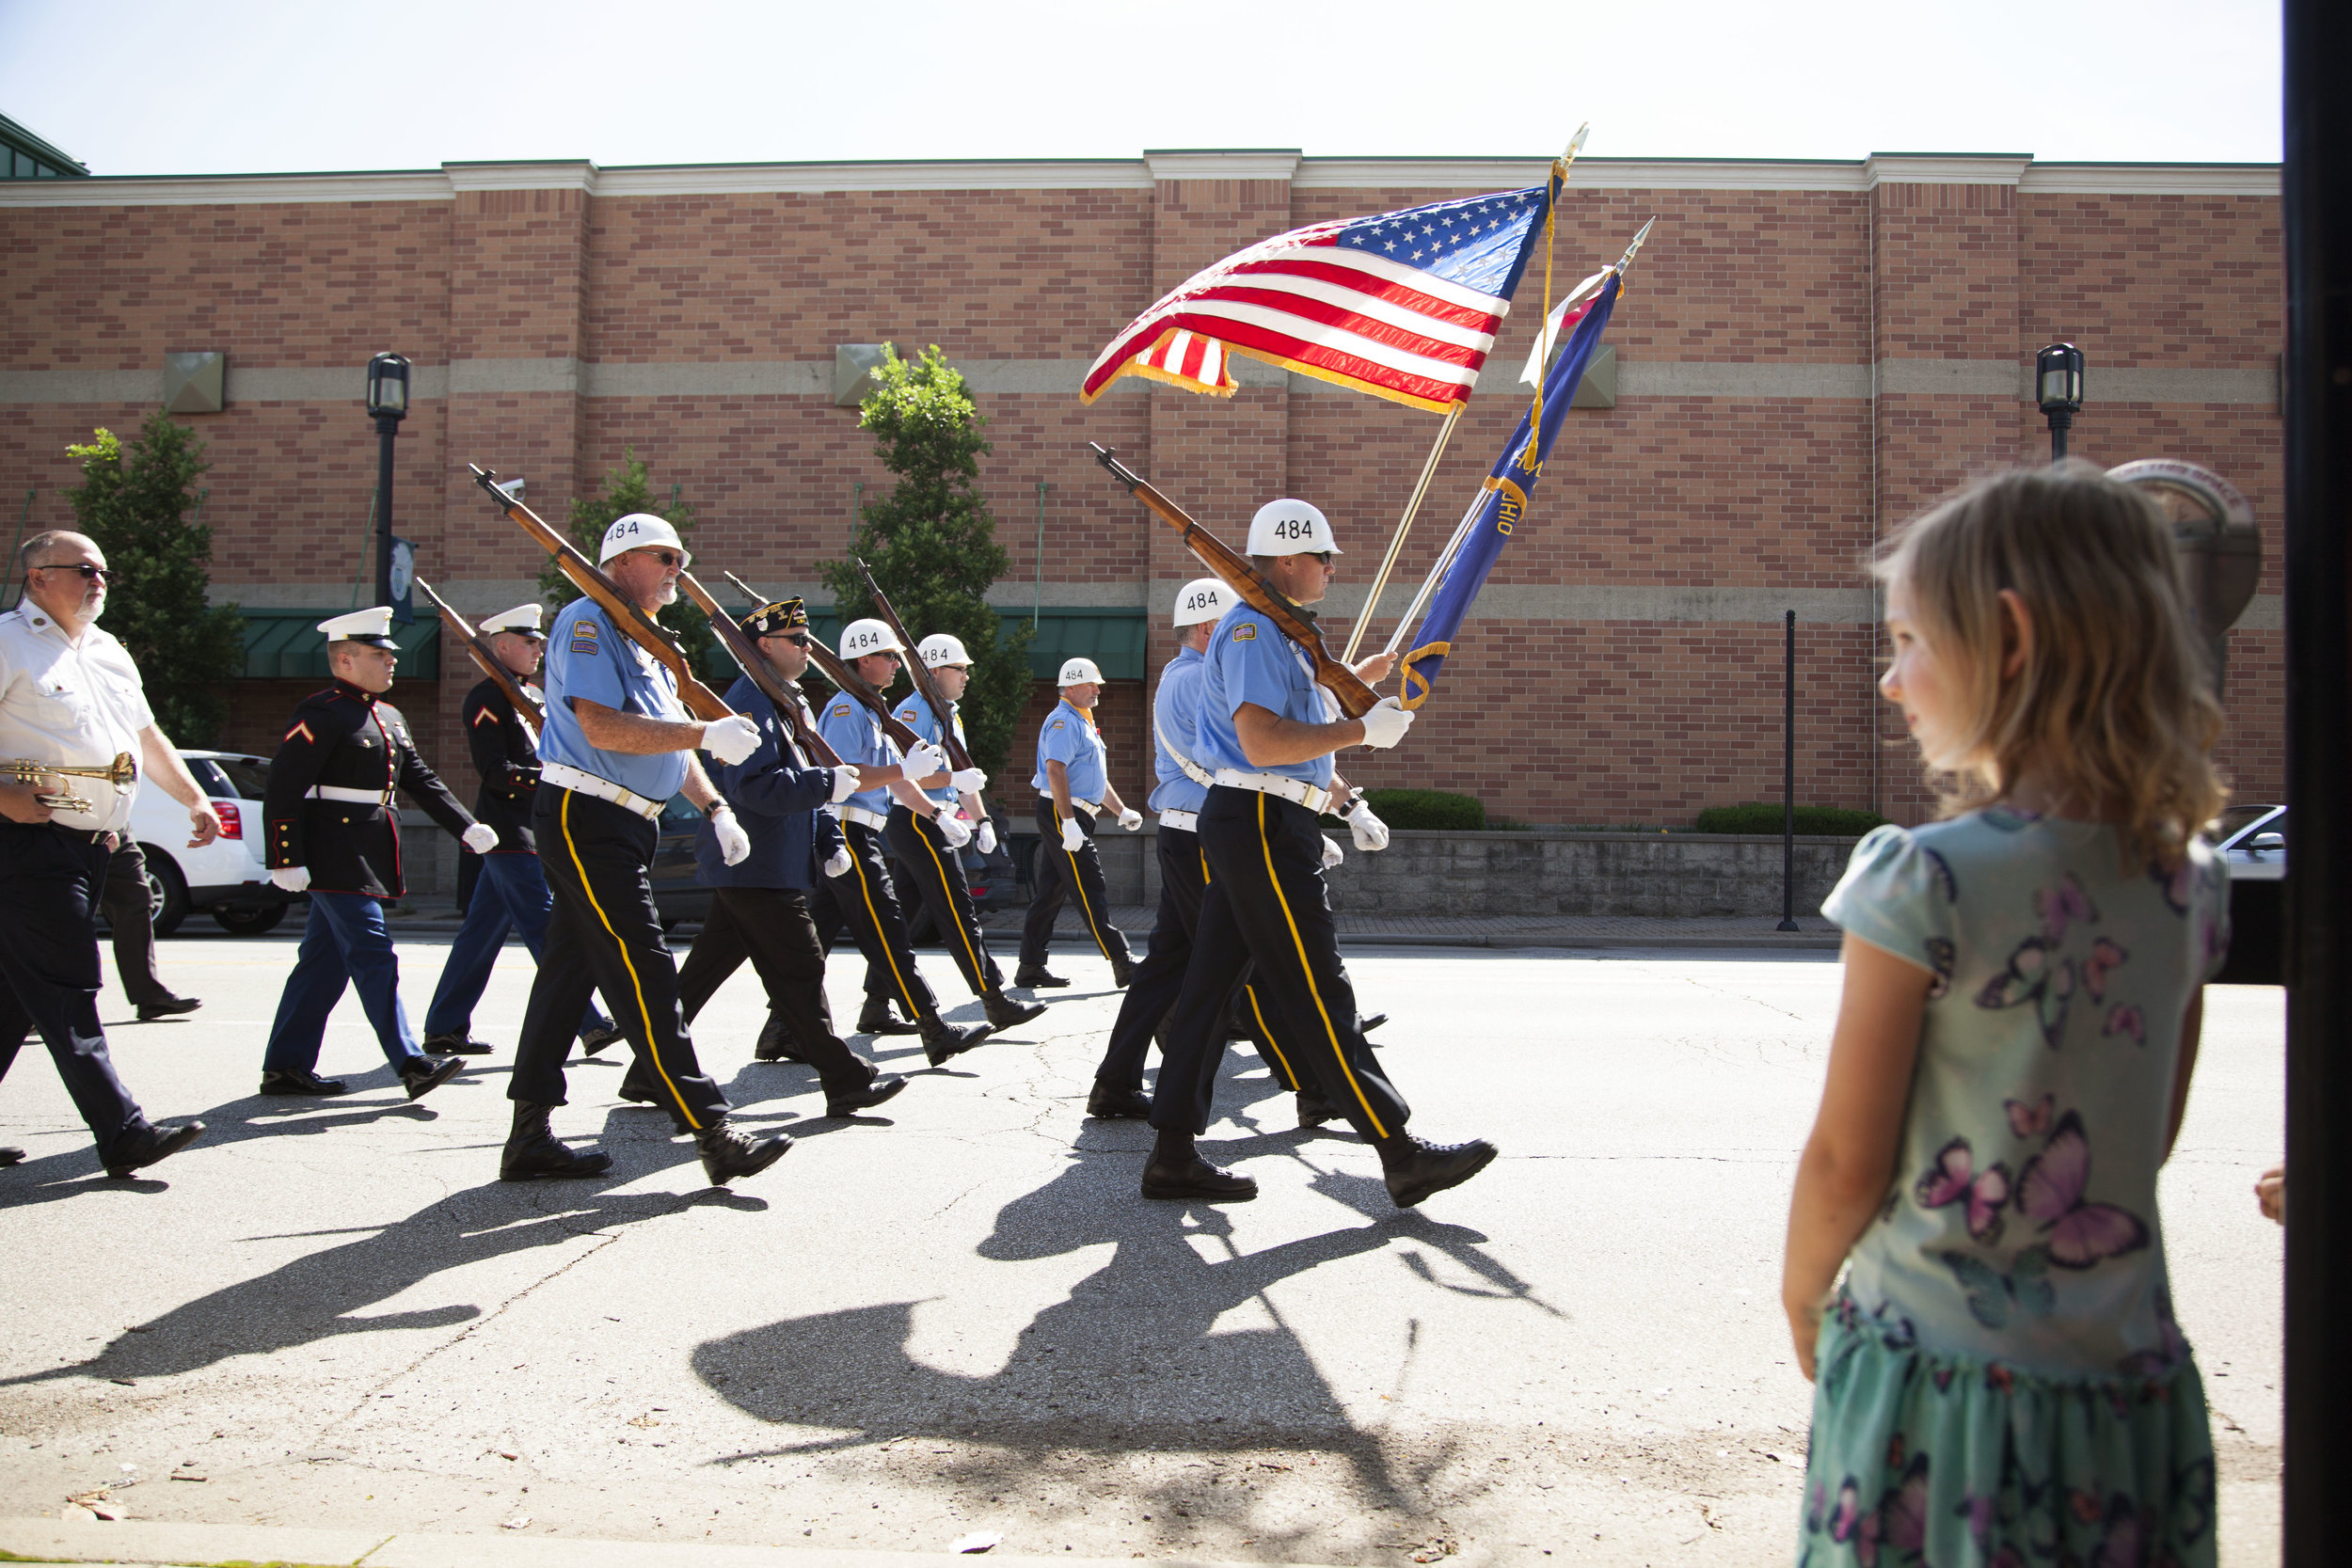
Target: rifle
[(632, 623), (852, 686), (926, 684), (784, 694), (1294, 619), (478, 649)]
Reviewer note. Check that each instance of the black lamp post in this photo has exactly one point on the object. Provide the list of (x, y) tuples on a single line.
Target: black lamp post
[(2058, 386), (387, 402)]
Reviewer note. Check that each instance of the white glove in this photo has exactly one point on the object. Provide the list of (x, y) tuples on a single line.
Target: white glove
[(293, 878), (923, 759), (969, 780), (953, 829), (1131, 820), (845, 782), (481, 838), (735, 845), (1386, 722), (1333, 854), (1371, 833), (986, 837), (1073, 838), (839, 866), (731, 740)]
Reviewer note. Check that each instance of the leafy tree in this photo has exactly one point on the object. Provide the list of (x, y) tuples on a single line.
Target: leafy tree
[(627, 489), (931, 542), (137, 502)]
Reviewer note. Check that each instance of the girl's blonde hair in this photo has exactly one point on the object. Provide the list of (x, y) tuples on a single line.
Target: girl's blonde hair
[(2114, 707)]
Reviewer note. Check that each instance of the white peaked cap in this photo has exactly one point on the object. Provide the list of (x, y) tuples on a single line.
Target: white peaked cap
[(1201, 599), (1289, 527), (523, 618), (637, 531), (861, 638), (1076, 671), (372, 627), (939, 648)]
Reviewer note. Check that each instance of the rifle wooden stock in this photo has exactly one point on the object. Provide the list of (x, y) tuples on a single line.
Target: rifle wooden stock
[(852, 686), (478, 649), (784, 694), (926, 684), (1296, 623), (633, 622)]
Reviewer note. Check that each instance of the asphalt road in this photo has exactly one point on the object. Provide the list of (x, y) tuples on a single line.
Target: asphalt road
[(959, 1316)]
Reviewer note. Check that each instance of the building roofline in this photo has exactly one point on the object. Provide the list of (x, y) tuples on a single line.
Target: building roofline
[(28, 141)]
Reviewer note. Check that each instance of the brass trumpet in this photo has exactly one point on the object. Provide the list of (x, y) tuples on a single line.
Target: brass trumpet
[(121, 773)]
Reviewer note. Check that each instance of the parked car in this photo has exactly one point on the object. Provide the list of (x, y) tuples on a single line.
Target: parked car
[(226, 877), (2254, 840)]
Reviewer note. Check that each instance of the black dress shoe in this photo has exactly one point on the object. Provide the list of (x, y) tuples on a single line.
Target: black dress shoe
[(11, 1157), (943, 1041), (300, 1081), (1112, 1103), (151, 1143), (1199, 1180), (424, 1078), (1030, 978), (454, 1045), (1122, 971), (170, 1007), (533, 1152), (1368, 1025), (775, 1043), (1004, 1013), (1434, 1167), (876, 1018), (881, 1089), (727, 1154), (598, 1037), (1313, 1110)]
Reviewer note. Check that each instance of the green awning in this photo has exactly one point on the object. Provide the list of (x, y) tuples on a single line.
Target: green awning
[(286, 644), (1113, 638)]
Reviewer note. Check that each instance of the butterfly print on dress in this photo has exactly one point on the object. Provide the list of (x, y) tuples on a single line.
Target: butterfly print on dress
[(1992, 1294), (2105, 958), (2029, 1121), (2037, 976), (2050, 1193), (1950, 1179), (2060, 903)]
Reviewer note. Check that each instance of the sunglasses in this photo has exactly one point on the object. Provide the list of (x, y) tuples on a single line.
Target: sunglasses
[(89, 573), (798, 639), (667, 557)]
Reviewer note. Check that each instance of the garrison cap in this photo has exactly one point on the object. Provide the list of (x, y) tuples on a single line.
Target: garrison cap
[(372, 627), (769, 619)]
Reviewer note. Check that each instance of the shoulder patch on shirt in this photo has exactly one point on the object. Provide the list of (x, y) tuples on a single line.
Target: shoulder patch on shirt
[(1246, 633), (841, 710), (584, 637), (1054, 725)]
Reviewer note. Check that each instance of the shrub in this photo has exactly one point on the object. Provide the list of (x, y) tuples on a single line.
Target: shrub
[(1758, 816), (1427, 808)]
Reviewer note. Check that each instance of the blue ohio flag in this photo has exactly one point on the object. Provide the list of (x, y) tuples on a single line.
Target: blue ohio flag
[(1502, 505)]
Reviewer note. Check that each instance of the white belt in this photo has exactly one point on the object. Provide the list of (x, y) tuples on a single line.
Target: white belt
[(859, 813), (357, 796), (1188, 820), (1306, 795), (602, 789), (1090, 807)]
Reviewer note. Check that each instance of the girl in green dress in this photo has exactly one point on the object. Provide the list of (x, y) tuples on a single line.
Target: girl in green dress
[(1999, 1380)]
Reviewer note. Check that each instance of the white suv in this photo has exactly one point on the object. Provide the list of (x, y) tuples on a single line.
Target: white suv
[(226, 877)]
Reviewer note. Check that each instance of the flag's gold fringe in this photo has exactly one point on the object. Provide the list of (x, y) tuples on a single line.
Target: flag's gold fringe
[(1152, 373), (1417, 690), (1338, 378)]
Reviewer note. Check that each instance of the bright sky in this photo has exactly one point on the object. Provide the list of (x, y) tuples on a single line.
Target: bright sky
[(145, 87)]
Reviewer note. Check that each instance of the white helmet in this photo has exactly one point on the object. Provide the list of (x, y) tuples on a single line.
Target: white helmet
[(939, 648), (861, 638), (1290, 528), (1077, 672), (641, 529), (1201, 599)]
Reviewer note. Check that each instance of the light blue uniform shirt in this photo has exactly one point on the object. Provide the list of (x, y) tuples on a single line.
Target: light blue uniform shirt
[(1175, 713), (586, 658), (916, 714), (850, 728), (1251, 661), (1069, 736)]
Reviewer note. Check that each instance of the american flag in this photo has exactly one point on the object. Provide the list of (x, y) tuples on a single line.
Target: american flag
[(1403, 305)]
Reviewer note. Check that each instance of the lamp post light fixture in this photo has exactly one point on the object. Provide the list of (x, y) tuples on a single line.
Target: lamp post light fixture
[(2058, 386), (387, 403)]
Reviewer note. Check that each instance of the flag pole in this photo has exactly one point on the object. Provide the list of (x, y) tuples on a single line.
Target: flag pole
[(1396, 542)]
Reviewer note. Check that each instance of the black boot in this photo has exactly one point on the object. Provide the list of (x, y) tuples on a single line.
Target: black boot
[(300, 1081), (776, 1043), (454, 1045), (728, 1153), (1176, 1170), (1004, 1013), (848, 1104), (423, 1076), (876, 1018), (1313, 1110), (1112, 1103), (1033, 976), (1414, 1169), (1123, 968), (532, 1150), (942, 1039), (11, 1156), (148, 1145), (598, 1037)]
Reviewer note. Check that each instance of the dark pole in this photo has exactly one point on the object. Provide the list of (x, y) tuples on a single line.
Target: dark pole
[(2317, 394), (387, 427), (1789, 777), (2061, 422)]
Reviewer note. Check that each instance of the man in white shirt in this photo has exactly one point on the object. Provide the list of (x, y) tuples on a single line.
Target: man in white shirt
[(70, 696)]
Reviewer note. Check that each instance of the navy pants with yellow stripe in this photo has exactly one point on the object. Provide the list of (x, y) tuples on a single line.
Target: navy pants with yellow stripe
[(864, 900), (1061, 873), (935, 872), (1267, 911), (605, 934)]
